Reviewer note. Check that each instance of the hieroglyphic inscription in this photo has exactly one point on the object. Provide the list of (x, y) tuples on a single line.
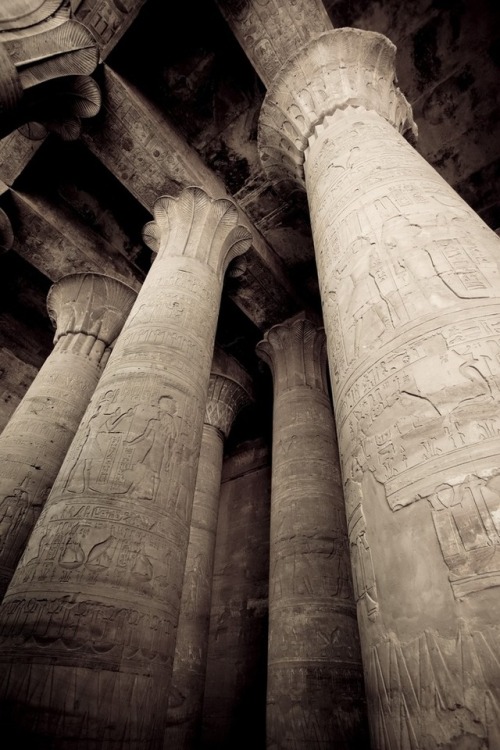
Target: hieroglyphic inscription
[(107, 20), (270, 31), (311, 602), (89, 311), (412, 275), (112, 538)]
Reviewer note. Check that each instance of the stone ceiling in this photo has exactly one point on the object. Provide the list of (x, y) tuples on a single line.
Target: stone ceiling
[(181, 105)]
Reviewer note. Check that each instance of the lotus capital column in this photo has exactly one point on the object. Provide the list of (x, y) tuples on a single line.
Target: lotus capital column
[(104, 566), (315, 682), (409, 278), (88, 311), (230, 389)]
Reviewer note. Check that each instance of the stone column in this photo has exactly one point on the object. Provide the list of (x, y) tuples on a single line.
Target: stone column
[(229, 390), (88, 311), (315, 682), (410, 287), (88, 624)]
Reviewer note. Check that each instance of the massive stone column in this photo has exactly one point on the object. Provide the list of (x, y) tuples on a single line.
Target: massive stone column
[(315, 682), (88, 311), (229, 390), (88, 623), (410, 287)]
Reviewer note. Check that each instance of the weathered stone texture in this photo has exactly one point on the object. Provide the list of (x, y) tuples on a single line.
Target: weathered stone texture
[(409, 280), (228, 391), (315, 683), (15, 378), (270, 31), (234, 707), (103, 568), (88, 311)]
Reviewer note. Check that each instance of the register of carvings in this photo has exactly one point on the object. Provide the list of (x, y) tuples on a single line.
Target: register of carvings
[(88, 311), (315, 682), (95, 598), (410, 287)]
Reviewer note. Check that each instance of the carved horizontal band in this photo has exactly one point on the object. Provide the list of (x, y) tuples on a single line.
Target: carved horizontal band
[(341, 68)]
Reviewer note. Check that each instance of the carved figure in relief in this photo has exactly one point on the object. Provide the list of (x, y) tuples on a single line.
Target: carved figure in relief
[(152, 449), (409, 247), (342, 574), (14, 512), (365, 588), (359, 297), (467, 521), (103, 412)]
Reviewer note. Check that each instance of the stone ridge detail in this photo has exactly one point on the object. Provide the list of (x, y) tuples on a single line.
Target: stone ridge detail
[(304, 363), (216, 238), (45, 82), (89, 303), (339, 69), (89, 311), (225, 400)]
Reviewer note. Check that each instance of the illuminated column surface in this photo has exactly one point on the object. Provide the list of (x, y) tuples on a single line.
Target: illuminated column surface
[(88, 311), (229, 391), (315, 696), (88, 624), (409, 278)]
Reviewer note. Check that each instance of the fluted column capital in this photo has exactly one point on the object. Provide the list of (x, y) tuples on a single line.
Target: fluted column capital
[(45, 82), (89, 303), (339, 69), (296, 353), (270, 31), (230, 389), (195, 225)]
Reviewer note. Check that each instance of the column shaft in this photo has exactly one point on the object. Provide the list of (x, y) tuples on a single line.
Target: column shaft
[(229, 390), (410, 284), (188, 678), (103, 568), (410, 287), (315, 684), (90, 310)]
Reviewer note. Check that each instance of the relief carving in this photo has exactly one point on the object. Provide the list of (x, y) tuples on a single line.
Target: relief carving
[(45, 82), (467, 522), (435, 691)]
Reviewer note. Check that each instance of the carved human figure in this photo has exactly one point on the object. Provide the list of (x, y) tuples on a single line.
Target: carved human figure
[(99, 647), (34, 442), (315, 684), (229, 391), (416, 391)]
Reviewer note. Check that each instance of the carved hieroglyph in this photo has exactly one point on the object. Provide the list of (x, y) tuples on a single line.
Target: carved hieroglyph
[(410, 288), (271, 31), (108, 20), (88, 311), (229, 391), (88, 624), (315, 682), (45, 64)]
